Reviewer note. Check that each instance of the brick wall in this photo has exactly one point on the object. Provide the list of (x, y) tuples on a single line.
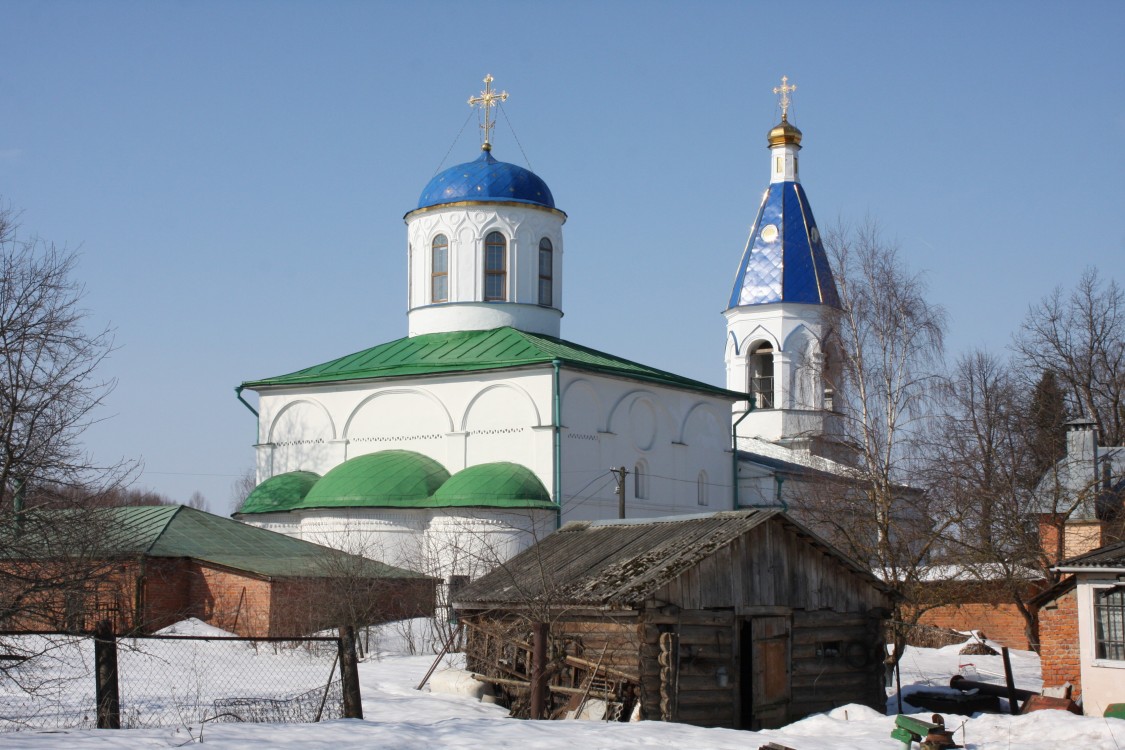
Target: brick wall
[(1050, 536), (230, 600), (307, 605), (1058, 638), (171, 590), (165, 597), (1002, 623)]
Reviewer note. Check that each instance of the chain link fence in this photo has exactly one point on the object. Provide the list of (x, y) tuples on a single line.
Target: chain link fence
[(55, 681)]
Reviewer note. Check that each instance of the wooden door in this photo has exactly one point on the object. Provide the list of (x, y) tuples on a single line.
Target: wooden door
[(765, 672)]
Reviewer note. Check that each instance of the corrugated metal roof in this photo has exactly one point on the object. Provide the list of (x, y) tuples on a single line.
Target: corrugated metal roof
[(179, 531), (470, 351), (617, 563)]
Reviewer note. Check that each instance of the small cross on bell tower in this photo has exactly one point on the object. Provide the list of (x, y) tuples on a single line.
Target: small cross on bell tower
[(486, 101), (785, 90)]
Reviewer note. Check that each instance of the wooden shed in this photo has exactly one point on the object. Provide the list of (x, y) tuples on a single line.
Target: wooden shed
[(740, 619)]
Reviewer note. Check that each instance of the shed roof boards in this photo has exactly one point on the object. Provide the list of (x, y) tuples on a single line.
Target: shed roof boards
[(472, 351), (178, 531), (621, 563)]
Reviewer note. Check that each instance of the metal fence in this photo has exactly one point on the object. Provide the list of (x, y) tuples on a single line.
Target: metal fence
[(57, 681)]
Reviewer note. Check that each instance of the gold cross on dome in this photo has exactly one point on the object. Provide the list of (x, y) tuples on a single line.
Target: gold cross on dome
[(486, 101), (785, 90)]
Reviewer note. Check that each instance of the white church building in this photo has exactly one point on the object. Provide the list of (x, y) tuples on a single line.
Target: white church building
[(483, 429)]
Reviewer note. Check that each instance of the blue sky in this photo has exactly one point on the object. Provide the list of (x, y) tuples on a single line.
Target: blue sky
[(235, 174)]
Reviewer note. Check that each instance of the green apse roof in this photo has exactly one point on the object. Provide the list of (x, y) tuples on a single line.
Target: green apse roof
[(469, 351), (387, 478), (179, 531), (279, 493), (496, 485)]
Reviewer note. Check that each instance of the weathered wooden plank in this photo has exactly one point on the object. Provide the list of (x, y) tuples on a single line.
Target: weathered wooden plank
[(815, 667), (829, 683), (806, 619), (820, 635), (718, 700), (692, 617)]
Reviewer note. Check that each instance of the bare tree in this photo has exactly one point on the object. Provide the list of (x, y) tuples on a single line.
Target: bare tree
[(49, 385), (51, 529), (241, 488), (1080, 337), (888, 340), (988, 448), (883, 362), (197, 501)]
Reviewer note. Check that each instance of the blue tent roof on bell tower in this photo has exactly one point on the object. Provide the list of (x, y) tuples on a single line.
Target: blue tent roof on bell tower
[(784, 260)]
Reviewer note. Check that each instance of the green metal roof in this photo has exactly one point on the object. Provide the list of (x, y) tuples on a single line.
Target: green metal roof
[(496, 485), (179, 531), (279, 493), (387, 478), (469, 351)]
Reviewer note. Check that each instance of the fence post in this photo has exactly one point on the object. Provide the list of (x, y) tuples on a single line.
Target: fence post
[(349, 673), (539, 632), (105, 670)]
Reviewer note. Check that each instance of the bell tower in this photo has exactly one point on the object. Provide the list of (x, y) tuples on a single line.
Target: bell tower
[(779, 311)]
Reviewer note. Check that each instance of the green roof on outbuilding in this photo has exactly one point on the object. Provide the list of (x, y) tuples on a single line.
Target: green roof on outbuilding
[(393, 478), (496, 485), (178, 531), (279, 493), (469, 351)]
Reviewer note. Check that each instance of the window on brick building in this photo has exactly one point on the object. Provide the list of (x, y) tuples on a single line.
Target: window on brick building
[(1109, 623)]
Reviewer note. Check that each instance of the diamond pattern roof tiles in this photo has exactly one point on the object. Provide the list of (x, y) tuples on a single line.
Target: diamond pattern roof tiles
[(784, 260)]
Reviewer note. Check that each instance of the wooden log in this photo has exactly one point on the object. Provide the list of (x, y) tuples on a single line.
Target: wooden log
[(825, 635), (576, 661), (691, 617)]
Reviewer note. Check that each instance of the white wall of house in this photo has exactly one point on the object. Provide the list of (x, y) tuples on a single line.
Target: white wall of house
[(1103, 680)]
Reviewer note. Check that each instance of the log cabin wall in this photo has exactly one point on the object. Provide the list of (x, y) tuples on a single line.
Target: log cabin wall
[(732, 620), (835, 648)]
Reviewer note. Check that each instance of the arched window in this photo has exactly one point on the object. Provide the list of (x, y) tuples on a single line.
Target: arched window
[(439, 269), (701, 489), (761, 375), (546, 272), (640, 480), (495, 268)]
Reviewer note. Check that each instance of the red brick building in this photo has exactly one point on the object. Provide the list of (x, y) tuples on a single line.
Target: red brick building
[(155, 565), (1082, 628)]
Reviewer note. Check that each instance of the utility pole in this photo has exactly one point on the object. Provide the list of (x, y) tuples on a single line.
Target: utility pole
[(620, 473)]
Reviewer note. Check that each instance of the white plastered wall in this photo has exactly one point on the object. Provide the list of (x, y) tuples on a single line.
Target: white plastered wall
[(466, 228), (794, 332), (476, 418), (675, 434), (1103, 680)]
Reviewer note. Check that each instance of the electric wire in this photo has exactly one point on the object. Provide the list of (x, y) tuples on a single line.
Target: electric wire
[(452, 145), (516, 137)]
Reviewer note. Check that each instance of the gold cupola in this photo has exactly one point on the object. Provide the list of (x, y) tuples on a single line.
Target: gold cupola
[(784, 132)]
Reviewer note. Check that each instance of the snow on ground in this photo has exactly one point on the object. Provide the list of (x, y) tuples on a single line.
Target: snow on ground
[(397, 716)]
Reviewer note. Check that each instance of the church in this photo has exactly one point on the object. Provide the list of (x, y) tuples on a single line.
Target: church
[(483, 429)]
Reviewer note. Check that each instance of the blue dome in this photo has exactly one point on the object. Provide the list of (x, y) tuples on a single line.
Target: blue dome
[(486, 180)]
